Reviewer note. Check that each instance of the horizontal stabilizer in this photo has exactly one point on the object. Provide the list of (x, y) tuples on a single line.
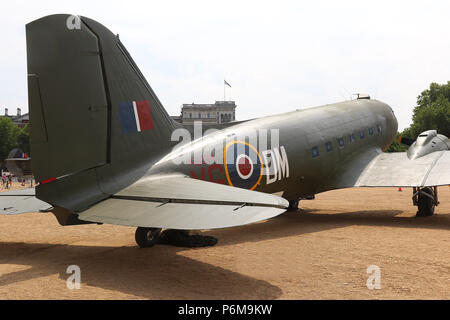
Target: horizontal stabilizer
[(21, 201), (184, 203)]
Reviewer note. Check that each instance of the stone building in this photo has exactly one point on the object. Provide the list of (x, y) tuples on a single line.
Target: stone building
[(20, 120), (219, 112)]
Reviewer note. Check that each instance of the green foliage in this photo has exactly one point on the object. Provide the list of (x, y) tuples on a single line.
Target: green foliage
[(23, 140), (397, 146), (12, 137), (431, 113)]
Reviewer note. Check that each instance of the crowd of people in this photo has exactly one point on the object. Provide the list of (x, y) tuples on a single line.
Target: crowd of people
[(6, 180)]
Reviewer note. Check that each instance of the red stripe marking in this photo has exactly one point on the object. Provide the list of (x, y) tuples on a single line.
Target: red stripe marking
[(145, 115), (48, 180)]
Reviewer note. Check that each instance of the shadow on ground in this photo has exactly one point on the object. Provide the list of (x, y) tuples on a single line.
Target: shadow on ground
[(307, 221), (161, 273)]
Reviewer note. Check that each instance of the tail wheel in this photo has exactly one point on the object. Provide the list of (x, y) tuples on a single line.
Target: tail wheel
[(147, 237), (426, 202)]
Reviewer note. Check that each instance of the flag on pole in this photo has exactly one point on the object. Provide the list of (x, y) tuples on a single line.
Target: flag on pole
[(225, 82)]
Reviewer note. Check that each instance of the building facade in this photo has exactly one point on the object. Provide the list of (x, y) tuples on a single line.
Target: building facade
[(20, 120), (219, 112)]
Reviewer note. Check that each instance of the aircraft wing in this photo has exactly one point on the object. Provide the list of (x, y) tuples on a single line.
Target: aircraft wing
[(179, 202), (397, 170), (21, 201)]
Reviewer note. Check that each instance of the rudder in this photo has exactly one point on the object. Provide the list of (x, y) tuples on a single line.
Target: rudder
[(80, 80)]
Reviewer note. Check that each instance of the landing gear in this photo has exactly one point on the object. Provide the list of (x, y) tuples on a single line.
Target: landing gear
[(293, 205), (147, 237), (426, 199), (182, 238)]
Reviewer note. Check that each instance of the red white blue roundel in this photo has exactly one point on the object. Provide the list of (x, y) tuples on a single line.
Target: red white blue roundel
[(243, 165)]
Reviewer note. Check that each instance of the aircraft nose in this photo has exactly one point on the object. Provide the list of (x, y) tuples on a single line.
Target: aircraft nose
[(394, 118), (391, 120)]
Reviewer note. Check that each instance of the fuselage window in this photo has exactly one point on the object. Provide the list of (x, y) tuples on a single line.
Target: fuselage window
[(371, 131), (352, 138), (329, 146), (315, 152), (361, 134), (341, 142)]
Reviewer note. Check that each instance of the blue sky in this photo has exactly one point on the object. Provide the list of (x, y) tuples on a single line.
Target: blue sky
[(277, 55)]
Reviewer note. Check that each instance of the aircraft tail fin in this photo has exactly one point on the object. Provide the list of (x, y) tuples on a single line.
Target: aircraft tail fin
[(93, 115)]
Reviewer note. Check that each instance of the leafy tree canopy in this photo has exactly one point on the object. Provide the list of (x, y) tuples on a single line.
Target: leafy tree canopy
[(12, 137), (432, 111)]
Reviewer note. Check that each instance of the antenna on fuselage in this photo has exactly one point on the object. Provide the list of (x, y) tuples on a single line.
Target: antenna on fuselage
[(360, 96)]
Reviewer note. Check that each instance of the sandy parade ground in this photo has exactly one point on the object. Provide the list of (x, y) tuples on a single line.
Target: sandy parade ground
[(319, 252)]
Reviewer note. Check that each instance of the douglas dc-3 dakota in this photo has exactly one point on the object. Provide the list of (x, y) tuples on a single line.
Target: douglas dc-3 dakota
[(104, 150)]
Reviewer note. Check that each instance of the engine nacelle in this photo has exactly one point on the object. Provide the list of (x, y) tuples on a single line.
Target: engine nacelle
[(428, 142)]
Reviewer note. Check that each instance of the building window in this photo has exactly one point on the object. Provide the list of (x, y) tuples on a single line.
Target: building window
[(371, 131), (378, 128), (190, 115), (315, 152), (361, 134), (209, 116), (352, 138), (329, 146), (341, 142), (199, 115)]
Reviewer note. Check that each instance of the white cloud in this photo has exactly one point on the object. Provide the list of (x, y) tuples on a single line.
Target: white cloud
[(278, 56)]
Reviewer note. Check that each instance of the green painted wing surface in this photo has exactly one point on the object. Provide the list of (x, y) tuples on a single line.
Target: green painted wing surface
[(178, 202)]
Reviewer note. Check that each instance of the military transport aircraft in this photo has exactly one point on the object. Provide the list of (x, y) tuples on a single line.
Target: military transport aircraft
[(105, 151)]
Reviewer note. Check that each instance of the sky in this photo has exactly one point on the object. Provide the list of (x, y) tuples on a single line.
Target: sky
[(278, 56)]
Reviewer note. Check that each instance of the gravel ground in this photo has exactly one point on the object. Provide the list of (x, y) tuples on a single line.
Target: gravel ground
[(319, 252)]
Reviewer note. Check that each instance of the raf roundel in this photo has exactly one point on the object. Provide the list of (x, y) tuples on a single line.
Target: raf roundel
[(243, 165)]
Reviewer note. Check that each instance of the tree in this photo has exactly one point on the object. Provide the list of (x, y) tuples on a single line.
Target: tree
[(8, 136), (397, 146), (23, 140), (432, 111)]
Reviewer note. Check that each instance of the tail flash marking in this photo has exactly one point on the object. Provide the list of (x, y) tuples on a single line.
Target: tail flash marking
[(136, 116), (144, 113)]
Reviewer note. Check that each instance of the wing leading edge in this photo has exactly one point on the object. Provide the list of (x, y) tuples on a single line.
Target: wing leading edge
[(178, 202)]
